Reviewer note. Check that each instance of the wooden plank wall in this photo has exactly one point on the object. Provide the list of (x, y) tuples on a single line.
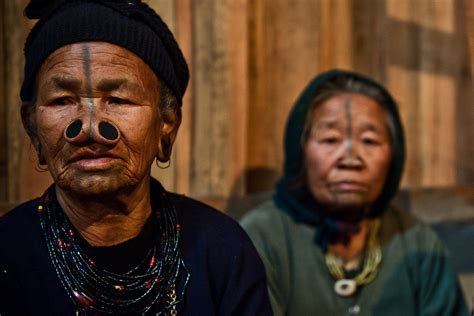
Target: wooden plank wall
[(416, 48), (469, 7), (249, 60), (20, 174), (428, 72), (3, 131)]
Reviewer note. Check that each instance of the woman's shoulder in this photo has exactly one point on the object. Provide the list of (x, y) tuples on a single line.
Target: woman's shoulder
[(20, 233), (264, 215), (266, 221), (274, 233), (19, 219), (404, 227)]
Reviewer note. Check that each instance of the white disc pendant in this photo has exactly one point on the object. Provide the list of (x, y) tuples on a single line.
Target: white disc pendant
[(345, 287)]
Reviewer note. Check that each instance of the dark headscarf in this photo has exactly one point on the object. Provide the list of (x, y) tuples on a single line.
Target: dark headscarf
[(130, 24), (296, 199)]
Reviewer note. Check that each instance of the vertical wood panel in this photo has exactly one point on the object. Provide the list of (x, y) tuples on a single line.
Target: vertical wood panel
[(284, 56), (183, 142), (23, 180), (238, 94), (465, 92), (369, 38), (437, 104), (427, 50), (404, 85), (3, 116), (336, 36), (257, 89), (13, 65), (437, 94), (469, 10), (220, 93), (203, 40), (211, 93)]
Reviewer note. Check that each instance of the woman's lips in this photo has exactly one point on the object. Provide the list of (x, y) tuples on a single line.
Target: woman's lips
[(94, 163), (349, 186)]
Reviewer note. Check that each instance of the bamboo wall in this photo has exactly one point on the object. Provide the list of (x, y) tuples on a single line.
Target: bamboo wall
[(249, 60)]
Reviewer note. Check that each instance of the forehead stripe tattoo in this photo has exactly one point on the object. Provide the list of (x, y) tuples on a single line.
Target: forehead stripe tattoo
[(88, 74), (348, 129)]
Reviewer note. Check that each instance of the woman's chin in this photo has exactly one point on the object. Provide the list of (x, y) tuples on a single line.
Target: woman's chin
[(95, 184), (348, 206)]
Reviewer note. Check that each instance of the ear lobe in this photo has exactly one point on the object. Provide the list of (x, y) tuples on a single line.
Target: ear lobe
[(27, 117), (29, 123), (164, 149), (169, 130), (39, 152), (170, 124)]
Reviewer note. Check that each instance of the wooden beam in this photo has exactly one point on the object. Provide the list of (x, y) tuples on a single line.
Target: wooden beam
[(285, 53), (465, 96), (239, 94), (469, 10), (210, 152), (336, 34), (3, 112), (183, 146), (16, 138), (369, 41)]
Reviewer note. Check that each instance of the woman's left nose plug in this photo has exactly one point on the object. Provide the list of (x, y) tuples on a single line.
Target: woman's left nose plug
[(108, 131)]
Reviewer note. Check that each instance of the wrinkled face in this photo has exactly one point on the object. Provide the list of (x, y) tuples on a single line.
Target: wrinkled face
[(97, 117), (348, 152)]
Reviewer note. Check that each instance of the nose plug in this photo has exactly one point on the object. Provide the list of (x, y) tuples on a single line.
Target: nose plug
[(74, 129), (106, 130)]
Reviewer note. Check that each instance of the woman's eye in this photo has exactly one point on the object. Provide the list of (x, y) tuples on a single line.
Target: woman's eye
[(329, 140), (62, 101), (115, 100), (370, 141)]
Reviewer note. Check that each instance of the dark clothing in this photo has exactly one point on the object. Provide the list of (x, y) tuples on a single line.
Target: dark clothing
[(226, 275)]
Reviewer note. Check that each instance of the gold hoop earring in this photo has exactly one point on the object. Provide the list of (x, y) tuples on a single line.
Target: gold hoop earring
[(157, 162)]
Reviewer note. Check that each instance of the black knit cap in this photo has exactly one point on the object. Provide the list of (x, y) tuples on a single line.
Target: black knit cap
[(130, 24)]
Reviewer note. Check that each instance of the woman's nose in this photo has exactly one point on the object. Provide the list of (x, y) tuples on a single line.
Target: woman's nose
[(350, 157), (79, 133)]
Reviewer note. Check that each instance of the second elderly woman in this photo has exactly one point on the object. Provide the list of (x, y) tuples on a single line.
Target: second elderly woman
[(330, 241), (102, 94)]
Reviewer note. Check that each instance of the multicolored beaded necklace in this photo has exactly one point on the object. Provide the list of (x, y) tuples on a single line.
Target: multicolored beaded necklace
[(150, 286)]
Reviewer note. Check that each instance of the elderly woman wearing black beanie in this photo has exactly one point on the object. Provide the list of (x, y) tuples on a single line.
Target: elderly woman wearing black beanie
[(102, 94), (330, 241)]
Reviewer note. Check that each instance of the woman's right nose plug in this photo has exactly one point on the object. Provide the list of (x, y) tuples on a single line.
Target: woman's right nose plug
[(73, 129)]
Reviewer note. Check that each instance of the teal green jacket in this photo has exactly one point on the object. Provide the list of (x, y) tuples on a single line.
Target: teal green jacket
[(415, 276)]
